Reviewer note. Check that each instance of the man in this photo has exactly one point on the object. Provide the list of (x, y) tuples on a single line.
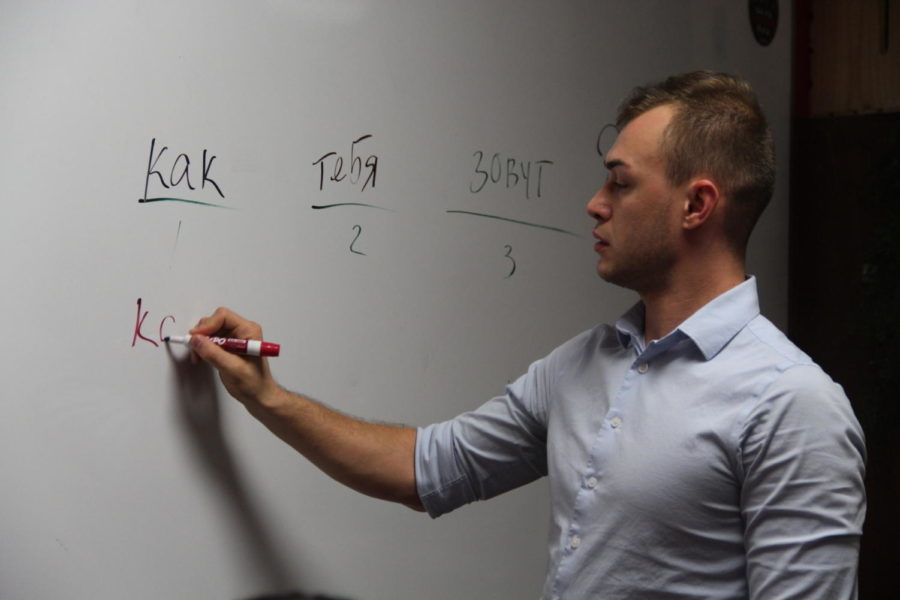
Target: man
[(692, 450)]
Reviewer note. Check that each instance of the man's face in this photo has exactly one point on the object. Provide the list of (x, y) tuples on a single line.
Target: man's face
[(636, 209)]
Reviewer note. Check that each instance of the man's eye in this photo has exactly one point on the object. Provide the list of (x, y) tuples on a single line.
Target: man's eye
[(614, 183)]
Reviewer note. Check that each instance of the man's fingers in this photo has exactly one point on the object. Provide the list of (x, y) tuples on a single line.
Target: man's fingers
[(245, 378), (211, 324), (229, 324), (213, 354)]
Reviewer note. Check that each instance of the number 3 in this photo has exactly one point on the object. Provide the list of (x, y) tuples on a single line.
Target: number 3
[(511, 259)]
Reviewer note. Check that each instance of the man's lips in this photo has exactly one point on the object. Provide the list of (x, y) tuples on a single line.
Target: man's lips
[(601, 243)]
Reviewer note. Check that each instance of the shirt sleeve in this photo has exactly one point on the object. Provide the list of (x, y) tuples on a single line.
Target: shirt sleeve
[(483, 453), (803, 494)]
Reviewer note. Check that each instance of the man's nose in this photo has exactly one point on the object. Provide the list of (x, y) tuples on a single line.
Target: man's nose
[(598, 208)]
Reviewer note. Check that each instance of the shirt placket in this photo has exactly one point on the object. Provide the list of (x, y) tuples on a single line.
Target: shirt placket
[(593, 474)]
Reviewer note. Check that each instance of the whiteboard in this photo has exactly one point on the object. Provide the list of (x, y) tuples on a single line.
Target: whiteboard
[(396, 190)]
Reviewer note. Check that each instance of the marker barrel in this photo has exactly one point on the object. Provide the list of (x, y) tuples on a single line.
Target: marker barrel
[(248, 347)]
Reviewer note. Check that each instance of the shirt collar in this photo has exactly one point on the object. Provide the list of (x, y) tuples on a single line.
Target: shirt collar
[(710, 328), (630, 326)]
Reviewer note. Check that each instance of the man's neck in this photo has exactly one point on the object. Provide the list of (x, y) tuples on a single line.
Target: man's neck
[(669, 306)]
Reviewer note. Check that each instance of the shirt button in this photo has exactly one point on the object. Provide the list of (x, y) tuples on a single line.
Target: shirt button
[(643, 368), (575, 542), (616, 422), (592, 482)]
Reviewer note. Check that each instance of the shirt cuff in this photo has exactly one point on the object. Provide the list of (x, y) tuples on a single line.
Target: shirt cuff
[(441, 485)]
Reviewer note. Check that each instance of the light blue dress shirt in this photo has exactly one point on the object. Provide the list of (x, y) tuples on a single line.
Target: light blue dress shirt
[(717, 462)]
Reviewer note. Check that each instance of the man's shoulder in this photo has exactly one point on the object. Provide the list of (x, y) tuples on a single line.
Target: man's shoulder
[(596, 339), (584, 348), (765, 346), (763, 337)]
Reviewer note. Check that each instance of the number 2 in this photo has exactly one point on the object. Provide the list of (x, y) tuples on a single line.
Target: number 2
[(358, 230)]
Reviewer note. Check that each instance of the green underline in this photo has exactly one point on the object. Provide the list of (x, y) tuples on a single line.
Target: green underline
[(516, 221), (147, 200)]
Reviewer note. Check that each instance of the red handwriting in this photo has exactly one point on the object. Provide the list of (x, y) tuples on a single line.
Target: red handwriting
[(139, 324)]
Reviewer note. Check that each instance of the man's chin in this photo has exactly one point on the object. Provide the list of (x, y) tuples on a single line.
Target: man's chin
[(607, 275), (605, 272), (615, 277)]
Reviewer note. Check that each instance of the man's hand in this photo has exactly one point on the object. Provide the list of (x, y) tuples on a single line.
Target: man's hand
[(247, 378)]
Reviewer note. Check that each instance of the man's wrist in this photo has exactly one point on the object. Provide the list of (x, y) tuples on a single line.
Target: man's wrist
[(272, 397)]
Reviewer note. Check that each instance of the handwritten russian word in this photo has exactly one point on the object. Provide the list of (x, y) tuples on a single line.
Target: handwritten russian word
[(509, 171), (179, 174), (139, 326), (356, 166)]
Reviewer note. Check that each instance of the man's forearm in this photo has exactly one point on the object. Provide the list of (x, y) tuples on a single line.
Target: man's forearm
[(372, 458)]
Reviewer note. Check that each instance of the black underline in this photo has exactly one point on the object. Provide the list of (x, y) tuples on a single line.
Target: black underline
[(364, 205), (147, 200), (516, 221)]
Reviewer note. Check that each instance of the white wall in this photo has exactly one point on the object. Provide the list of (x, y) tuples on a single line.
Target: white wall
[(127, 473)]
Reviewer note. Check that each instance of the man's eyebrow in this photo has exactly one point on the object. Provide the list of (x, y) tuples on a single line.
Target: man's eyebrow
[(612, 164)]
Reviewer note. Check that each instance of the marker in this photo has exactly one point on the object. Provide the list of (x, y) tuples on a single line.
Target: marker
[(249, 347)]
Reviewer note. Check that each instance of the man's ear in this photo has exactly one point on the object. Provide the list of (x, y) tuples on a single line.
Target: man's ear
[(702, 197)]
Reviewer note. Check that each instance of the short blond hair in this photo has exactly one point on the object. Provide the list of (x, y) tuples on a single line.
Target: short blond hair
[(719, 130)]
